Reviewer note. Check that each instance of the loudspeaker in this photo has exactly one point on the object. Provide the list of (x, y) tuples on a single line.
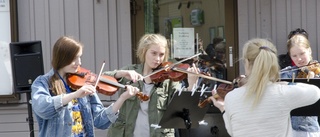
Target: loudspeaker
[(27, 64)]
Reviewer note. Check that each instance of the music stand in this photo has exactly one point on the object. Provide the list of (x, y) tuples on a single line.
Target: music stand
[(311, 110), (183, 111)]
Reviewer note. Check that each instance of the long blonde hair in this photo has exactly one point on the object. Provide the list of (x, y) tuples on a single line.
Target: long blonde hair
[(149, 39), (262, 64)]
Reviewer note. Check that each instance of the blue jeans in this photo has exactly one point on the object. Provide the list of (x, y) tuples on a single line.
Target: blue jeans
[(305, 123)]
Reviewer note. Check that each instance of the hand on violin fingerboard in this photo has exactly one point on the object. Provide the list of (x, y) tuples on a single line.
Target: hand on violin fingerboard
[(217, 101), (130, 92), (193, 79), (129, 74)]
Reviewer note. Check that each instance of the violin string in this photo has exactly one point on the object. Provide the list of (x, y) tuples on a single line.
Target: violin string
[(201, 75), (98, 79)]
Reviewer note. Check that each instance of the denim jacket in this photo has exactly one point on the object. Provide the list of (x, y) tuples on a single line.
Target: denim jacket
[(55, 120), (301, 123)]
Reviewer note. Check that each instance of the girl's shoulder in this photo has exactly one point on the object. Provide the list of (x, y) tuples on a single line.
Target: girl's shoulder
[(132, 67)]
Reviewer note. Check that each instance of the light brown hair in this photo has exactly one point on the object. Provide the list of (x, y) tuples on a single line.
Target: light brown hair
[(64, 52), (298, 40)]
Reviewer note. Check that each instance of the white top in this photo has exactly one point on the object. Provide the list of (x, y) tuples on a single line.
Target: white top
[(142, 126), (271, 117)]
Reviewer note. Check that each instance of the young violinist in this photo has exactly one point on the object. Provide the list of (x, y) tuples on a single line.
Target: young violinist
[(301, 54), (262, 106), (136, 117), (284, 59), (62, 111)]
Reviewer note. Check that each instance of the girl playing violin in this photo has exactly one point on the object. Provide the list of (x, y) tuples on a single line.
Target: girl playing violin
[(262, 106), (301, 54), (62, 112), (135, 117)]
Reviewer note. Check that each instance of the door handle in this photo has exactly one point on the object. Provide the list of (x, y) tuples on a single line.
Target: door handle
[(230, 57)]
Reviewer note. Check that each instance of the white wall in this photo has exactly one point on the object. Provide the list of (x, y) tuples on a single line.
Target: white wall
[(6, 85)]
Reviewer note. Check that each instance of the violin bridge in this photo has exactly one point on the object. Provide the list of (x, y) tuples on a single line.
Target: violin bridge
[(293, 76)]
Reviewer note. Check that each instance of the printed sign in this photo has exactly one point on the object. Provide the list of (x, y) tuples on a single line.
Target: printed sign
[(183, 42), (4, 5)]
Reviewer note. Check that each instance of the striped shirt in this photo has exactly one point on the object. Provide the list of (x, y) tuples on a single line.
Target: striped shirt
[(271, 117)]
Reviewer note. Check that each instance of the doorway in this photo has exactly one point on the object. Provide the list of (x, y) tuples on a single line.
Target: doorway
[(210, 19)]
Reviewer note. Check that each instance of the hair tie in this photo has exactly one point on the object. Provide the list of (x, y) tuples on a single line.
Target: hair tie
[(267, 48)]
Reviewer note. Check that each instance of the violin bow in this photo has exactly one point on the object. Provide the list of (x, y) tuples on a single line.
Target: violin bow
[(297, 68), (154, 72), (98, 79), (203, 76)]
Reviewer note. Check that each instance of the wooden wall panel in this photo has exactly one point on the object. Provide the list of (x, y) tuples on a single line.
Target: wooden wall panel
[(123, 29), (71, 17), (86, 24), (13, 120), (113, 26), (103, 26), (102, 36), (310, 20), (280, 27)]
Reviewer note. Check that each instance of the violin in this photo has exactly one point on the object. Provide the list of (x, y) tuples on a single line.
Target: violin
[(107, 85), (223, 89), (163, 71), (313, 66), (168, 73)]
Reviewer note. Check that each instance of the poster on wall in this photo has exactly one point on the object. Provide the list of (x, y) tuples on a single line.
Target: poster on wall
[(4, 5), (6, 80), (6, 84), (183, 42)]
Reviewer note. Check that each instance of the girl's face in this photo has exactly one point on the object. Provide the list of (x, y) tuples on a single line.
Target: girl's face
[(154, 56), (74, 65), (300, 55)]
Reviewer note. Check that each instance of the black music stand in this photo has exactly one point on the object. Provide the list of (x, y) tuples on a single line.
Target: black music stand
[(183, 111), (311, 110)]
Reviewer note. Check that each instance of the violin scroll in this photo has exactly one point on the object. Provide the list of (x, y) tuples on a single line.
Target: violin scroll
[(142, 97), (203, 103), (223, 89)]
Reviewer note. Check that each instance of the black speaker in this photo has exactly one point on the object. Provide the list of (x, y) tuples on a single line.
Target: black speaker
[(27, 64)]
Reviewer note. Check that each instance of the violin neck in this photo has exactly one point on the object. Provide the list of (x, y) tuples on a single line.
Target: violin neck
[(102, 79), (204, 103), (201, 75)]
